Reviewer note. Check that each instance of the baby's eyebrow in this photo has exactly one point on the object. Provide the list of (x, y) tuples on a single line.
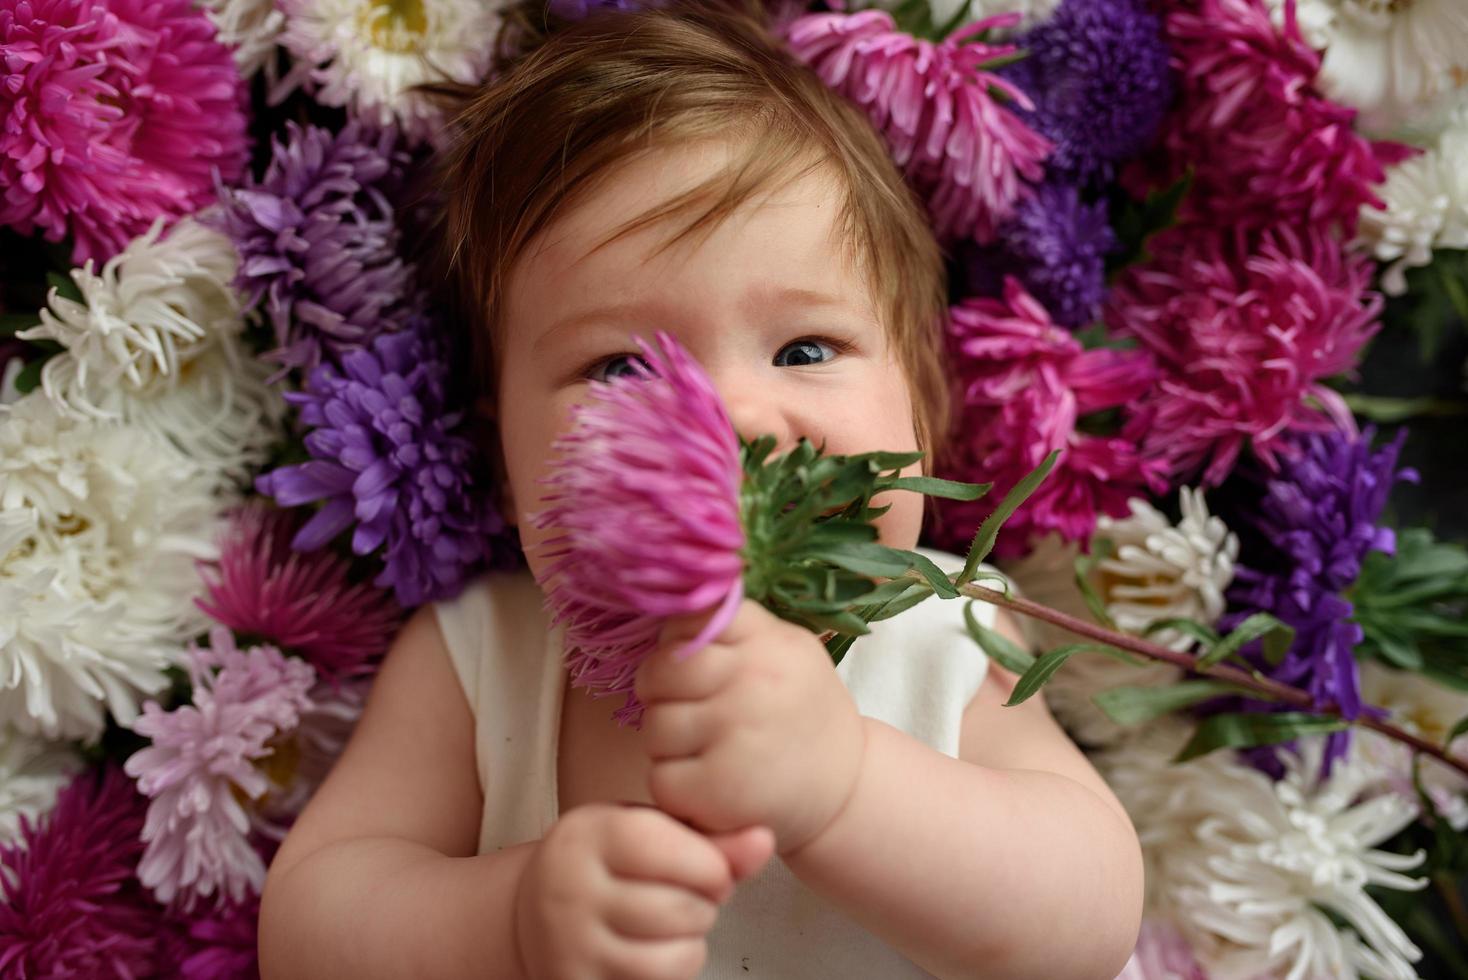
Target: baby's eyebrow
[(758, 299)]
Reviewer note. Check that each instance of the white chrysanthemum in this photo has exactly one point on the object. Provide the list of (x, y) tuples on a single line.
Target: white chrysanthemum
[(1244, 865), (101, 525), (1426, 709), (156, 343), (32, 772), (368, 54), (1398, 61), (1426, 207), (251, 28), (1156, 572)]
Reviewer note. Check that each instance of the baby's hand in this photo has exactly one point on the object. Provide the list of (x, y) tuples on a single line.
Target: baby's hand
[(756, 728), (627, 893)]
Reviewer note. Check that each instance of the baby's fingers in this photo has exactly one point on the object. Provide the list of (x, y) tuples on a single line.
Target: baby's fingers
[(652, 910), (667, 959), (650, 845)]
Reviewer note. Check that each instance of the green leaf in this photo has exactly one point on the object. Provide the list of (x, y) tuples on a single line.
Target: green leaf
[(1051, 661), (64, 287), (29, 378), (1257, 728), (1101, 549), (13, 323), (1201, 632), (947, 489), (1136, 705), (989, 530), (1460, 728), (879, 560), (1256, 626), (998, 647), (1135, 222)]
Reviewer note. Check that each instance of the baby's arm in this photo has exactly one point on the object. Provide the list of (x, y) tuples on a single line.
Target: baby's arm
[(1014, 860), (378, 877)]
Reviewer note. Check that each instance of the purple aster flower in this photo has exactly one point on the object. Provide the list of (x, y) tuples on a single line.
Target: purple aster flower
[(317, 241), (644, 506), (388, 456), (1056, 245), (1319, 518), (579, 9), (70, 904), (1098, 73)]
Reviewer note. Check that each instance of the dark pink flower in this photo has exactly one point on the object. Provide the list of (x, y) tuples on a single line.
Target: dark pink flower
[(644, 503), (1022, 386), (1243, 337), (112, 114), (943, 113), (1266, 147), (70, 903), (302, 601)]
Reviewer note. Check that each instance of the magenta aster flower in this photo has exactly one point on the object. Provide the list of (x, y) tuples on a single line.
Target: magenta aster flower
[(70, 905), (302, 601), (1265, 145), (112, 114), (202, 764), (1244, 340), (217, 944), (1023, 384), (647, 485), (944, 114)]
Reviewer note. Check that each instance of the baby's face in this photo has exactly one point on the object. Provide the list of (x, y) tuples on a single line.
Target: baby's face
[(768, 304)]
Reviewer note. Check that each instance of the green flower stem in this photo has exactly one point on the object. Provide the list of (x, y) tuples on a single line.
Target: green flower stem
[(1252, 680)]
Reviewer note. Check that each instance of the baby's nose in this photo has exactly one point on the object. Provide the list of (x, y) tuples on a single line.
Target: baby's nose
[(756, 413)]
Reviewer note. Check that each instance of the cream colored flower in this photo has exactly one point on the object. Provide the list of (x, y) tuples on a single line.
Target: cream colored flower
[(1156, 571), (156, 341), (1244, 865), (101, 525), (1400, 62), (368, 54)]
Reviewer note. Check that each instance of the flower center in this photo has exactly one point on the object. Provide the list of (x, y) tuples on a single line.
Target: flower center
[(395, 25), (279, 767)]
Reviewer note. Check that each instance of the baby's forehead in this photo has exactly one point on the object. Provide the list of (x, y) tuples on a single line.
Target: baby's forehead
[(618, 235)]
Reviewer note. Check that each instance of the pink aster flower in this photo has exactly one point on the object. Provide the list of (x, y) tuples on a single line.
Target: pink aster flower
[(70, 905), (112, 114), (945, 117), (216, 944), (201, 765), (1244, 339), (647, 484), (1266, 146), (301, 601), (1023, 384)]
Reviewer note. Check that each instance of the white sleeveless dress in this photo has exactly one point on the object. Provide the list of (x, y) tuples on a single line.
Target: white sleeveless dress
[(917, 672)]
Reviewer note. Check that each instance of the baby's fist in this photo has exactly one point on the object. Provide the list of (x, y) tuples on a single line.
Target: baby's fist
[(755, 728)]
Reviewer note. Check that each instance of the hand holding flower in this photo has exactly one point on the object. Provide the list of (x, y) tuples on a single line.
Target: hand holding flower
[(754, 729)]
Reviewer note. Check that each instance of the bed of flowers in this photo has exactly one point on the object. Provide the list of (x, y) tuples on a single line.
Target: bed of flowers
[(1209, 280)]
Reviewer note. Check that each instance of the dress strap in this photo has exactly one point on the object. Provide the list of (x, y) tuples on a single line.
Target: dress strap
[(498, 635)]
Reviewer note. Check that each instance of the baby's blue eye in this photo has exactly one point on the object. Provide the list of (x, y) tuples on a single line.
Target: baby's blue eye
[(803, 352), (806, 352)]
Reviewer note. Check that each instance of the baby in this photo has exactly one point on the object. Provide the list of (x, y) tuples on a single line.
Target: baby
[(673, 169)]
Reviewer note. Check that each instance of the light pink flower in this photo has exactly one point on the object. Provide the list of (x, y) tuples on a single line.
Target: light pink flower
[(112, 114), (1161, 954), (943, 114), (1022, 386), (1243, 337), (645, 500), (302, 601), (1265, 145), (202, 764)]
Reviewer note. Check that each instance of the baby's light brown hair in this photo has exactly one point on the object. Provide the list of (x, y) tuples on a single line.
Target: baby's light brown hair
[(573, 104)]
